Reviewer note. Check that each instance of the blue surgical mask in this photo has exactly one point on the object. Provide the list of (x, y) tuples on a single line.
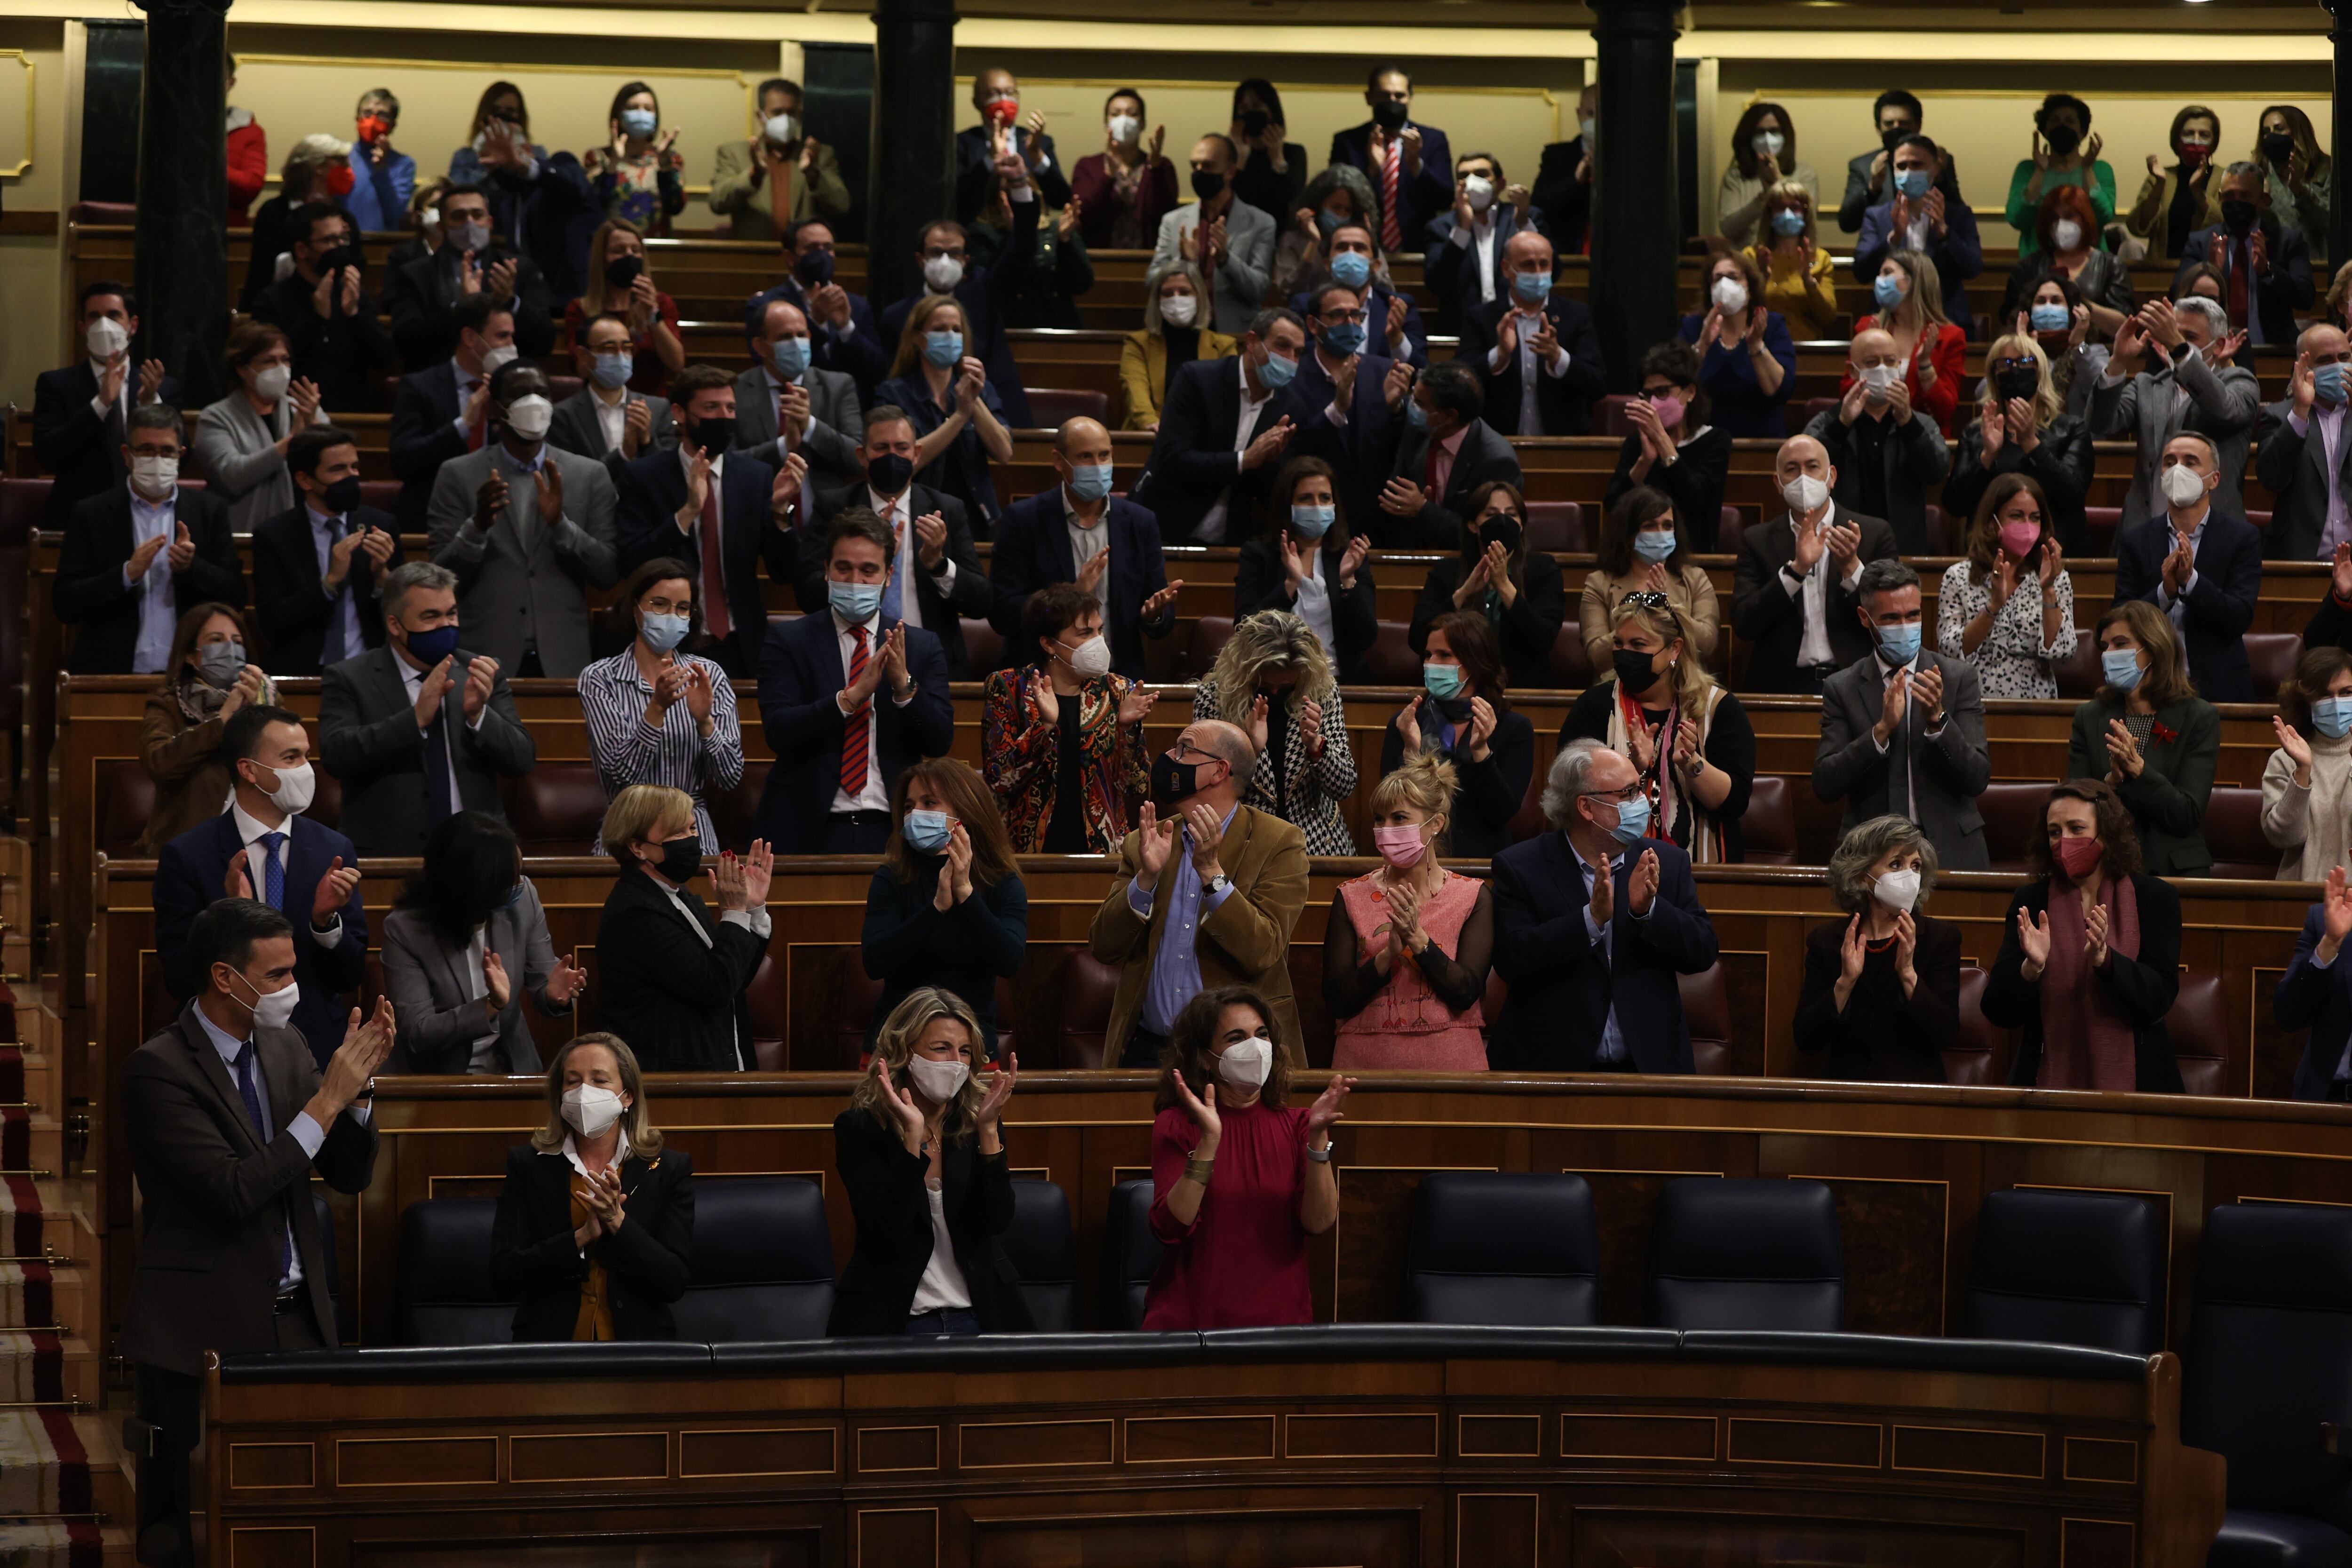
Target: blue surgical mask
[(614, 369), (2327, 382), (943, 349), (790, 356), (2050, 319), (1090, 482), (2332, 717), (1655, 545), (1632, 820), (2121, 666), (663, 633), (1352, 268), (1442, 679), (1887, 291), (1276, 371), (1345, 339), (1415, 415), (1312, 522), (1788, 222), (1911, 183), (1532, 287), (926, 831), (853, 602), (640, 122), (1899, 645)]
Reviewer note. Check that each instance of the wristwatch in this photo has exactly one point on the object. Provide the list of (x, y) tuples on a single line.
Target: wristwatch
[(1216, 884), (1320, 1156)]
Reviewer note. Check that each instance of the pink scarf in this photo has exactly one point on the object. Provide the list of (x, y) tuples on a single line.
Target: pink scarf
[(2086, 1042)]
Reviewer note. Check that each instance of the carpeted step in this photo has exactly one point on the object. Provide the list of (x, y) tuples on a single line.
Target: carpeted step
[(38, 1222), (40, 1366), (50, 1543), (41, 1296)]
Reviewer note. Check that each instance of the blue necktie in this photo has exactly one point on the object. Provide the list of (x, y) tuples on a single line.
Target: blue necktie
[(330, 642), (250, 1093), (273, 877)]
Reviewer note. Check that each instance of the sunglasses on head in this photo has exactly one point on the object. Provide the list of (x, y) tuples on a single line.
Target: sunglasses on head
[(1648, 599)]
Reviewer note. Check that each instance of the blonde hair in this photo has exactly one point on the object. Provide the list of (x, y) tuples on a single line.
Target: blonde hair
[(640, 812), (1270, 639), (1669, 624), (1424, 781), (1926, 296), (1789, 194), (919, 321), (2047, 403), (895, 1042), (636, 1121)]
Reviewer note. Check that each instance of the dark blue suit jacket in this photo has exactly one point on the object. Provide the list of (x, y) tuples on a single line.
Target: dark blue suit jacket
[(2319, 1000), (1032, 552), (1192, 461), (1376, 324), (2221, 605), (69, 437), (987, 297), (1418, 200), (1561, 990), (2279, 296), (1959, 256), (424, 437), (975, 163), (653, 487), (1451, 270), (861, 355), (1564, 403), (189, 877), (1364, 447), (800, 673)]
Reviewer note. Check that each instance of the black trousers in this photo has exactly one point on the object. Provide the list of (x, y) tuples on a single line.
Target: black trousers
[(1143, 1048), (172, 1405), (855, 833)]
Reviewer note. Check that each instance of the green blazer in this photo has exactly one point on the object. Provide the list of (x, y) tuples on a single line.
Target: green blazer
[(2167, 799)]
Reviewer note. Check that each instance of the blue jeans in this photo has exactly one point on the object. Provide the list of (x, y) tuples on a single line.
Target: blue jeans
[(944, 1321)]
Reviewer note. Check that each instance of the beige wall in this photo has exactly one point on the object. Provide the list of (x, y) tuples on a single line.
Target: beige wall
[(33, 178)]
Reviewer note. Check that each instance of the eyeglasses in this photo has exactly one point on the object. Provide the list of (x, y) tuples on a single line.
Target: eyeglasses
[(1648, 599), (2019, 364), (1631, 793)]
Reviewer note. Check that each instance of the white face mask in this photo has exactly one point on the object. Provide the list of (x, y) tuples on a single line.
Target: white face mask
[(529, 418), (939, 1081), (1805, 494), (2182, 486), (780, 128), (1479, 190), (591, 1110), (1880, 379), (942, 273), (2066, 234), (503, 354), (1769, 143), (295, 789), (1179, 310), (1125, 129), (1091, 658), (270, 383), (270, 1009), (1246, 1063), (154, 477), (1898, 890), (1730, 293), (105, 337)]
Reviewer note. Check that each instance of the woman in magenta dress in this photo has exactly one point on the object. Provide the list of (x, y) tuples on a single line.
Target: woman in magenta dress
[(1407, 948), (1239, 1181)]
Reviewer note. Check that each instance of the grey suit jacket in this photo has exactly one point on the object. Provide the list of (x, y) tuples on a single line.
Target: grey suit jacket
[(2221, 403), (575, 428), (1949, 768), (830, 450), (519, 585), (368, 740), (437, 994), (235, 451), (1240, 283)]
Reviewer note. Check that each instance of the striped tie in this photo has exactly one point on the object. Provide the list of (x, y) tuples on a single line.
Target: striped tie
[(855, 735), (1392, 170)]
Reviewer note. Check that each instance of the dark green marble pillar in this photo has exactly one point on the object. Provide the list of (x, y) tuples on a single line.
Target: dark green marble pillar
[(912, 180), (1637, 216), (183, 240)]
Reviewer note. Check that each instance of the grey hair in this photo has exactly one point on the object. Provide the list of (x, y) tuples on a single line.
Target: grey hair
[(2212, 451), (1205, 319), (155, 416), (1884, 575), (410, 575), (1571, 771), (1866, 845), (2216, 319), (2241, 167)]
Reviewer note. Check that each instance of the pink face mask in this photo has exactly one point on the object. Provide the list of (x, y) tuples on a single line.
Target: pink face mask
[(1400, 845), (1669, 410), (2019, 538)]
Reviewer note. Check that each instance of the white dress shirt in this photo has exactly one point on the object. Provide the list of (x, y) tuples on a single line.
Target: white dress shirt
[(1314, 603), (893, 511), (250, 830), (1526, 323), (1613, 1038), (612, 418), (2176, 605), (1887, 674), (1212, 529), (1813, 647), (877, 794), (414, 679), (159, 609), (1479, 237)]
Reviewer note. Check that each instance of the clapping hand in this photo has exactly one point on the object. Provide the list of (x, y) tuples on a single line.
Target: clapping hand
[(183, 547), (2335, 914), (955, 871), (2094, 935), (1256, 724), (1000, 1089), (1157, 605), (1906, 947), (1641, 886), (1928, 690), (1154, 841), (335, 891), (1134, 707), (901, 1107), (2297, 749), (1202, 1109), (1326, 1109), (1853, 952), (1408, 725), (1310, 727), (1352, 559), (2034, 941), (567, 981), (2124, 758), (1402, 497), (495, 982), (481, 678)]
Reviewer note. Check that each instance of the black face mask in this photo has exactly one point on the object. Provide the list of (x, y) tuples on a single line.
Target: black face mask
[(714, 436), (1208, 185), (2239, 216), (1634, 671), (681, 860), (622, 271), (1254, 122), (1389, 115), (343, 495), (2278, 146), (1173, 782), (343, 256), (2017, 384), (1887, 139), (1501, 526), (889, 472), (2062, 140), (813, 269)]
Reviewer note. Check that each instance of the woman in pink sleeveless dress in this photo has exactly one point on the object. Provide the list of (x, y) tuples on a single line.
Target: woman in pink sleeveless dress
[(1406, 950)]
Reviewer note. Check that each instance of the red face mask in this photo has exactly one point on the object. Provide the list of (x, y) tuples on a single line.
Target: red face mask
[(375, 128), (2192, 154), (1002, 112), (2077, 855), (339, 179)]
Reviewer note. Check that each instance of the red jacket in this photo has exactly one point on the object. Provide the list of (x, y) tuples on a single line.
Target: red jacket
[(1948, 352), (249, 165)]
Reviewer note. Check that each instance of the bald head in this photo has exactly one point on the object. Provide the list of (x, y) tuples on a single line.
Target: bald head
[(1079, 432), (1873, 346), (781, 319), (1225, 741), (1083, 445), (1801, 454)]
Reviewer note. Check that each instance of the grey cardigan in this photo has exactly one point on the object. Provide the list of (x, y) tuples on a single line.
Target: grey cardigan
[(237, 451), (433, 995)]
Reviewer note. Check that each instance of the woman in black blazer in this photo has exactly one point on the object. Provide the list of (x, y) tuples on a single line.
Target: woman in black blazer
[(595, 1227), (1520, 593), (1671, 448), (946, 906), (1472, 723), (1309, 564), (2090, 955), (1882, 992), (921, 1154), (666, 971)]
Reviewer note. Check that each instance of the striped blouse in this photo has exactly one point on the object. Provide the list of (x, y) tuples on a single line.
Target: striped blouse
[(614, 696)]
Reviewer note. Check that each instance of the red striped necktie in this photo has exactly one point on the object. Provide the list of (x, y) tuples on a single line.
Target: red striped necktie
[(855, 735), (1392, 170)]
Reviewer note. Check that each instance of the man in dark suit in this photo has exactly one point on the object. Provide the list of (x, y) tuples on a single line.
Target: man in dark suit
[(606, 419), (264, 847), (1038, 542), (2294, 443), (722, 512), (987, 297), (1391, 144), (1536, 352), (1897, 114), (418, 729), (137, 554), (1563, 187), (2200, 566), (1903, 732), (2265, 265), (848, 701), (1208, 474), (2316, 994), (786, 403), (842, 334), (1364, 418), (1463, 259), (1592, 923), (421, 292), (82, 413), (441, 411), (328, 319), (1441, 458), (1917, 215), (1794, 586), (977, 148), (316, 566), (226, 1116), (930, 551)]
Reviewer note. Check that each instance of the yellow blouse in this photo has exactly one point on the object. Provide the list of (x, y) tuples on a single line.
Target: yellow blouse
[(1784, 291)]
